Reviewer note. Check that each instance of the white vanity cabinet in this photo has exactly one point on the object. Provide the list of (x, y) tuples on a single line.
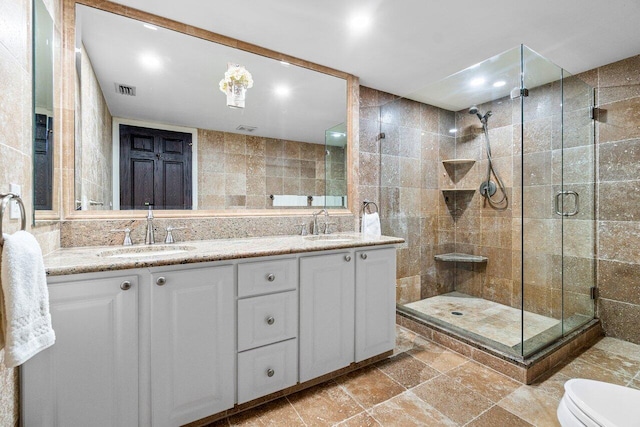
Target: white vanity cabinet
[(267, 327), (347, 309), (327, 293), (375, 302), (89, 377), (192, 343), (166, 346)]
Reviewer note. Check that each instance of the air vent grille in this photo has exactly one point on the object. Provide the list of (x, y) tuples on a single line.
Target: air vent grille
[(126, 90), (245, 128)]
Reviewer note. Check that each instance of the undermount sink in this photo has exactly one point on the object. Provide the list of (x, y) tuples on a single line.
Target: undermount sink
[(145, 251), (333, 237)]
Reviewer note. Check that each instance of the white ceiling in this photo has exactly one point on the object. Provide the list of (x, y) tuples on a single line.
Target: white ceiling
[(176, 79), (413, 43)]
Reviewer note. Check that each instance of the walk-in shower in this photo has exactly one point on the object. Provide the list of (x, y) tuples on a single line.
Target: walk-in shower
[(480, 173)]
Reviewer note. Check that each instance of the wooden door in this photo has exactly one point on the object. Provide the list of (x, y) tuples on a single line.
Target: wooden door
[(43, 162), (89, 377), (192, 344), (155, 168), (326, 314)]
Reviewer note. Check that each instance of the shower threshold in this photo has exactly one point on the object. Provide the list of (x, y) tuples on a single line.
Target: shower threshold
[(486, 319), (491, 334)]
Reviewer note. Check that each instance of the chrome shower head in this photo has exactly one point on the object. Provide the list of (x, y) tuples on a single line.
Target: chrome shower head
[(474, 110), (483, 119)]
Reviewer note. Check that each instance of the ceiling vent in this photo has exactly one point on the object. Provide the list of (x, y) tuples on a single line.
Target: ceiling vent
[(125, 89), (245, 128)]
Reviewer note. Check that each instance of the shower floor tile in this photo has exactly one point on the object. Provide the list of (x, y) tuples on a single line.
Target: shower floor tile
[(488, 319)]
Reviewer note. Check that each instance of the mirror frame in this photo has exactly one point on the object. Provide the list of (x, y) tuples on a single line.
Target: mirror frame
[(68, 116)]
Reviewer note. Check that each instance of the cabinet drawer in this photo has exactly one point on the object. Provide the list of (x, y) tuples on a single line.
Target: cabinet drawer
[(258, 278), (267, 369), (267, 319)]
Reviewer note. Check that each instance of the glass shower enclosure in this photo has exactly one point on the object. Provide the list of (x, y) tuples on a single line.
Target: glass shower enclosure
[(505, 249)]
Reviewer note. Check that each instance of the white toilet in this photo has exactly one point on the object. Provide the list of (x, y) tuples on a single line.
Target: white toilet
[(598, 404)]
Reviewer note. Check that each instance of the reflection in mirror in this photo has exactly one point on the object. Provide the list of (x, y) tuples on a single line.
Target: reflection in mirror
[(335, 161), (42, 107), (152, 125)]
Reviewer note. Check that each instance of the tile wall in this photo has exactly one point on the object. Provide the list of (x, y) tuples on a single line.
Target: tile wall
[(94, 125), (16, 152), (240, 172), (400, 173), (618, 136)]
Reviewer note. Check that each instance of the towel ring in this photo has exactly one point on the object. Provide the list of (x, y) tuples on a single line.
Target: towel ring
[(366, 208), (6, 198)]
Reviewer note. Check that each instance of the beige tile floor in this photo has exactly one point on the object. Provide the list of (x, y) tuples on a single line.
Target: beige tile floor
[(424, 384), (488, 319)]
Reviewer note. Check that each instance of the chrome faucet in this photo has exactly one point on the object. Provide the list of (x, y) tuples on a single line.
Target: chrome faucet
[(150, 238), (315, 230)]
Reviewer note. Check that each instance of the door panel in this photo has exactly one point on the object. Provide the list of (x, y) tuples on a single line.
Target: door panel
[(192, 344), (43, 162), (89, 377), (327, 298), (155, 168)]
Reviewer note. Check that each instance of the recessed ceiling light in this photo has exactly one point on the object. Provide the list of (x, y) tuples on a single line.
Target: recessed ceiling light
[(360, 22), (150, 27), (453, 130), (282, 90), (499, 83), (478, 81)]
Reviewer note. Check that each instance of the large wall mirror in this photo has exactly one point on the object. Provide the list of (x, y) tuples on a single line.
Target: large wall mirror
[(43, 107), (153, 127)]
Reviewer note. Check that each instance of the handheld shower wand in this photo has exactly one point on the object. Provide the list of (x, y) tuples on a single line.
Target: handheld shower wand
[(488, 188), (483, 119)]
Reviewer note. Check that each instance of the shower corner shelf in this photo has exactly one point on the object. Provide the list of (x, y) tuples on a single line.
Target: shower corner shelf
[(458, 161), (458, 257)]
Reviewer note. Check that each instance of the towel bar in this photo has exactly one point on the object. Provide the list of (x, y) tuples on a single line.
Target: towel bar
[(6, 198), (366, 206)]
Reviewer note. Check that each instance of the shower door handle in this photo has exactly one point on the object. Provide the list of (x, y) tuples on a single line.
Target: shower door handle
[(575, 210)]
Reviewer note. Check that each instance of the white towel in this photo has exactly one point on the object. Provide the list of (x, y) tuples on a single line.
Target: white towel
[(371, 225), (289, 200), (25, 322), (317, 201)]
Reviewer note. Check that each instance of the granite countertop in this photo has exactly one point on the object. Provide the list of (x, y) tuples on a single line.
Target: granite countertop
[(109, 258)]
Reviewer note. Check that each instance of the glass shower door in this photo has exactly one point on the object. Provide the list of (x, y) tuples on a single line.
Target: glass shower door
[(557, 202), (576, 202)]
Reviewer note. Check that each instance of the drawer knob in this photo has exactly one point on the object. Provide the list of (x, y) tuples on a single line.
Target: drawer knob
[(347, 258), (161, 281), (363, 256), (126, 285), (271, 277), (270, 372), (271, 320)]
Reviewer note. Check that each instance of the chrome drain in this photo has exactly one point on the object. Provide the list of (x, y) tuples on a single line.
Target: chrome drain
[(456, 313)]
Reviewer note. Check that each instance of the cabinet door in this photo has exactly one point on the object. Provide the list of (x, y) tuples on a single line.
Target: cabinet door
[(375, 302), (192, 344), (89, 377), (326, 314)]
